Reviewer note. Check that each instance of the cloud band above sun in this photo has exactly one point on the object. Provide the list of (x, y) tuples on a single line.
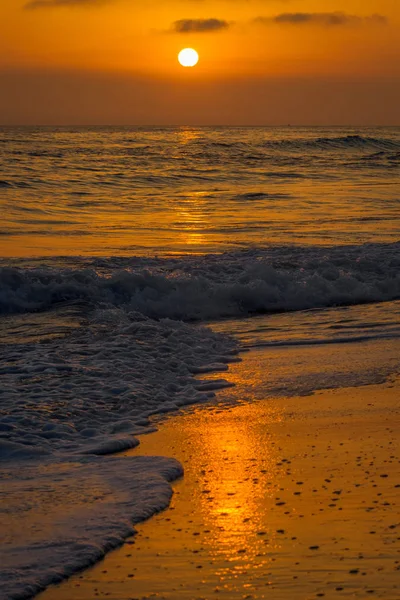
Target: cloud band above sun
[(327, 19), (209, 25), (36, 4), (199, 25)]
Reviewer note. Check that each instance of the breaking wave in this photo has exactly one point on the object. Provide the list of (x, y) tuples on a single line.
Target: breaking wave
[(214, 286)]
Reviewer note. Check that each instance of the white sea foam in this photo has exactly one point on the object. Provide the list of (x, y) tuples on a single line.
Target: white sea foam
[(67, 404), (61, 517), (92, 391), (215, 286)]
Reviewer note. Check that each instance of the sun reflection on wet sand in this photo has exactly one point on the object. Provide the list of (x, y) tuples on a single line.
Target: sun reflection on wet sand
[(231, 494), (279, 500)]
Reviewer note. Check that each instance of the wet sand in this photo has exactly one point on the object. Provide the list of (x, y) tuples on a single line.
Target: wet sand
[(286, 498)]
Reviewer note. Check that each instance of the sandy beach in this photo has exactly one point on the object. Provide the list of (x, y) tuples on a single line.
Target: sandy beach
[(285, 498)]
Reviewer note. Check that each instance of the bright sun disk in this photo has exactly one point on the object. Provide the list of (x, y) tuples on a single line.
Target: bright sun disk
[(188, 57)]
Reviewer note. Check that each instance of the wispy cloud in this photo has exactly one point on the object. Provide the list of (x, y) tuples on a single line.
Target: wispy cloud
[(328, 19), (37, 4), (33, 4), (199, 25)]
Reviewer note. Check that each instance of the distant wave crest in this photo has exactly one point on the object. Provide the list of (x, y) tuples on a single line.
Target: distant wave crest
[(357, 142)]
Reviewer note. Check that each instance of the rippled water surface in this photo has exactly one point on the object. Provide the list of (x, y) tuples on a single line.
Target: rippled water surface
[(129, 191)]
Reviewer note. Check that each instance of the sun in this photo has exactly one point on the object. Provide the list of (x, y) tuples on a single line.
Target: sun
[(188, 57)]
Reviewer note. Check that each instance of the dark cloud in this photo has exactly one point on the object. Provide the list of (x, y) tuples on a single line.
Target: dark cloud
[(199, 25), (329, 19), (33, 4)]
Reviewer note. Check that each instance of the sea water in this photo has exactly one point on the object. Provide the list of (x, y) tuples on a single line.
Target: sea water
[(110, 191), (135, 260)]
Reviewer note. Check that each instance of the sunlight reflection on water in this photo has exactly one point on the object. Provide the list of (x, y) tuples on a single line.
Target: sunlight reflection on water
[(195, 190)]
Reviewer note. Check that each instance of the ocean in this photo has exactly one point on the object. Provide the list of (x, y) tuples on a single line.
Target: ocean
[(123, 192), (134, 261)]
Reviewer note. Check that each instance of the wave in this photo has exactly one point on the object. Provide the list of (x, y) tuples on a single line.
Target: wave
[(104, 501), (351, 142), (260, 196), (384, 158), (214, 286), (341, 142), (322, 342)]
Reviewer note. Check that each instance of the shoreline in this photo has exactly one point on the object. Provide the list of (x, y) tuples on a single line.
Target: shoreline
[(144, 262), (295, 495)]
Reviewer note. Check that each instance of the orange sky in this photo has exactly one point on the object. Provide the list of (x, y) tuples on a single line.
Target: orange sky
[(261, 62)]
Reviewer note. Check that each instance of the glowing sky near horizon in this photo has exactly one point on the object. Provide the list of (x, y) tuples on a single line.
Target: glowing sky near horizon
[(110, 61)]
